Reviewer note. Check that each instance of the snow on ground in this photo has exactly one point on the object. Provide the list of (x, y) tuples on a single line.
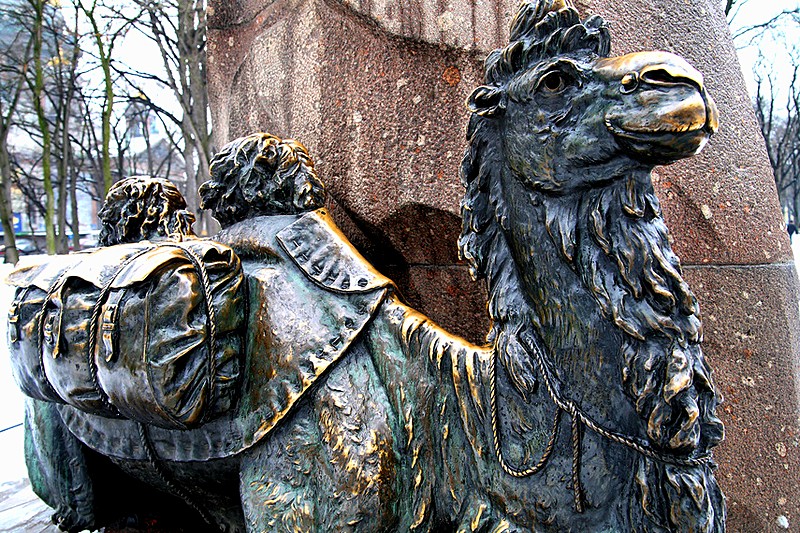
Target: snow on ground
[(21, 511)]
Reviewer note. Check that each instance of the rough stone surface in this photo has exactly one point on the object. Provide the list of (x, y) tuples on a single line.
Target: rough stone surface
[(391, 140), (459, 304), (750, 336), (375, 89)]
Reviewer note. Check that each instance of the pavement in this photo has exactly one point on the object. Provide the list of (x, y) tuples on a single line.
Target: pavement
[(21, 511)]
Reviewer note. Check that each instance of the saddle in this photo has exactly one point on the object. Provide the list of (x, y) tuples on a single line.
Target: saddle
[(310, 294)]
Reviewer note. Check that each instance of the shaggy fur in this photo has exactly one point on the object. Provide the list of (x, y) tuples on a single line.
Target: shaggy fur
[(140, 208), (261, 175), (539, 31)]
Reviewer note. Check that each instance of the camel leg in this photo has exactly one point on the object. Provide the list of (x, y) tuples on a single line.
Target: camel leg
[(57, 467)]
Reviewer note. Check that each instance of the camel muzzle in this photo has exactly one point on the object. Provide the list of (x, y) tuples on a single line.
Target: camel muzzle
[(662, 111)]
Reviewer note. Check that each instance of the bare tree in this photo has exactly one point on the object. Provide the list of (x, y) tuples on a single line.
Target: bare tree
[(178, 27), (149, 124), (53, 85), (729, 5), (61, 96), (108, 28), (780, 125), (37, 88), (14, 57), (777, 98), (750, 34), (76, 138)]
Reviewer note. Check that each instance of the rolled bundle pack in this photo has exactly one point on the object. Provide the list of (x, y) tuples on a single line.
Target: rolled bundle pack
[(152, 332)]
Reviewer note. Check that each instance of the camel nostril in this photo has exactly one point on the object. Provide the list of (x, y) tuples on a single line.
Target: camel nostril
[(659, 75)]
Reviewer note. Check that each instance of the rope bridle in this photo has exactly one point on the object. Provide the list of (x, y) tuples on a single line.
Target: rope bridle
[(579, 419)]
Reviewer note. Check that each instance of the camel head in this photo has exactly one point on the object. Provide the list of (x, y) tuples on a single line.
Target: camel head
[(561, 218), (570, 116)]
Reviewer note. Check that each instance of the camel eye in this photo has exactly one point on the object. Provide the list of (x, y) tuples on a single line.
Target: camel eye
[(269, 154), (554, 82)]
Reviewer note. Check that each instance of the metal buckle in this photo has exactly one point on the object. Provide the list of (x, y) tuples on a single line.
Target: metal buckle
[(107, 327), (13, 321)]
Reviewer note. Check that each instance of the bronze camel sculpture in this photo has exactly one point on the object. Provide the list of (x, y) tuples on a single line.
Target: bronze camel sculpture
[(591, 407)]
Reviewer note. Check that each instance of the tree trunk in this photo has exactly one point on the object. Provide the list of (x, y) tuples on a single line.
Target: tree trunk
[(64, 164), (11, 254), (63, 192), (6, 211), (184, 56), (44, 127), (191, 177), (73, 203), (104, 52), (795, 203)]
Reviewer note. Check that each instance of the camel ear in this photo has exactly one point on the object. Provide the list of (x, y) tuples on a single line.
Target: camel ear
[(487, 101)]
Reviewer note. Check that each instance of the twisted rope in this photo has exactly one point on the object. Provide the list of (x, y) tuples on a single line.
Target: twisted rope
[(508, 469), (153, 460), (579, 418), (577, 488), (647, 450), (20, 296), (40, 333)]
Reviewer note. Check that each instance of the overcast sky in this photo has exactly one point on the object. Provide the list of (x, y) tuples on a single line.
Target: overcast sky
[(776, 46)]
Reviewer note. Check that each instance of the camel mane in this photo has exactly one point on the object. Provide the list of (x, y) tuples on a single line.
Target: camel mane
[(538, 32)]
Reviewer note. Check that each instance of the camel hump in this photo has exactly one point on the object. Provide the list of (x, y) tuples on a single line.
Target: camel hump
[(324, 254)]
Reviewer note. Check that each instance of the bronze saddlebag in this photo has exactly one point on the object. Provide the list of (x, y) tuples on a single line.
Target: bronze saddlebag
[(149, 332)]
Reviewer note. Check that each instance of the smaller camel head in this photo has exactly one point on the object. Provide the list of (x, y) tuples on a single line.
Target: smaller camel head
[(571, 116)]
